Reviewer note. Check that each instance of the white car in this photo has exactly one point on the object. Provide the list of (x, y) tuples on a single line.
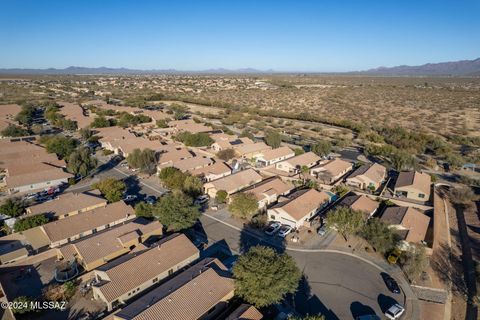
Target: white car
[(273, 228), (395, 312), (129, 197), (284, 231)]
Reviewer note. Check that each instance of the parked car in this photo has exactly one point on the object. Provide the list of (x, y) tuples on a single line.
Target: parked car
[(395, 312), (391, 284), (151, 199), (201, 200), (129, 197), (273, 228), (284, 230), (124, 164), (200, 243), (322, 230), (30, 196)]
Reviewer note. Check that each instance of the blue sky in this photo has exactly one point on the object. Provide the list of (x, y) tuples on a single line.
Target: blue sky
[(196, 35)]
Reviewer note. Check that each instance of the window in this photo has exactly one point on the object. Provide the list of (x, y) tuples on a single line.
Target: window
[(170, 272), (155, 280), (421, 195), (272, 217)]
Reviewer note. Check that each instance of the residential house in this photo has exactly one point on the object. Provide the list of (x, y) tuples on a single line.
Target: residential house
[(360, 203), (232, 183), (409, 223), (251, 151), (294, 165), (213, 172), (188, 164), (268, 191), (299, 207), (368, 176), (126, 278), (272, 156), (68, 204), (200, 292), (17, 246), (75, 112), (83, 224), (331, 171), (102, 247), (413, 185), (225, 141), (26, 166), (173, 155)]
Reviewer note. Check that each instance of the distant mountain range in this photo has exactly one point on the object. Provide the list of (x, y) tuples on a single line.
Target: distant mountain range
[(454, 68), (119, 71)]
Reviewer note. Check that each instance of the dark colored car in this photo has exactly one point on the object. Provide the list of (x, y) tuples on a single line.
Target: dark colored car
[(391, 284)]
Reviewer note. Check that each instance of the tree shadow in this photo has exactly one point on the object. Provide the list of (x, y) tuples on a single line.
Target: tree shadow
[(308, 304), (133, 188), (359, 309), (251, 237)]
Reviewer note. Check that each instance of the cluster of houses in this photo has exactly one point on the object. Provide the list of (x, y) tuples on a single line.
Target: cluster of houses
[(142, 273)]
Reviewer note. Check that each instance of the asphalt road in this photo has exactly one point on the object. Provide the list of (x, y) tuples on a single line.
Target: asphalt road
[(337, 285)]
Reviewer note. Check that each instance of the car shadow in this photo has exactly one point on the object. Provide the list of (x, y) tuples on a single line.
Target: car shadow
[(359, 309), (385, 302), (249, 237)]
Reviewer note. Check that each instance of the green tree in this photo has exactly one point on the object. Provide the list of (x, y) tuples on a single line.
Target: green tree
[(243, 205), (273, 139), (226, 154), (221, 196), (172, 178), (192, 186), (62, 146), (402, 160), (14, 131), (102, 122), (298, 151), (200, 139), (12, 207), (322, 148), (25, 116), (379, 235), (180, 111), (176, 211), (30, 222), (263, 277), (111, 189), (162, 123), (345, 220), (414, 262), (143, 209), (145, 160), (86, 133), (23, 304), (81, 162)]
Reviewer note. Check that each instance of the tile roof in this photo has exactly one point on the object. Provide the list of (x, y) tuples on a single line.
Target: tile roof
[(107, 242), (237, 180), (245, 312), (411, 219), (269, 187), (86, 221), (189, 164), (174, 155), (125, 277), (303, 202), (277, 153), (68, 202), (217, 168), (73, 111), (188, 296), (359, 203), (303, 159), (334, 167), (253, 147), (418, 180), (374, 172)]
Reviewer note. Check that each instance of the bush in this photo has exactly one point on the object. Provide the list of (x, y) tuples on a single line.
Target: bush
[(12, 207), (14, 131), (144, 159), (102, 122), (273, 139), (111, 189), (226, 154), (30, 222), (62, 146), (195, 139), (221, 196), (243, 205)]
